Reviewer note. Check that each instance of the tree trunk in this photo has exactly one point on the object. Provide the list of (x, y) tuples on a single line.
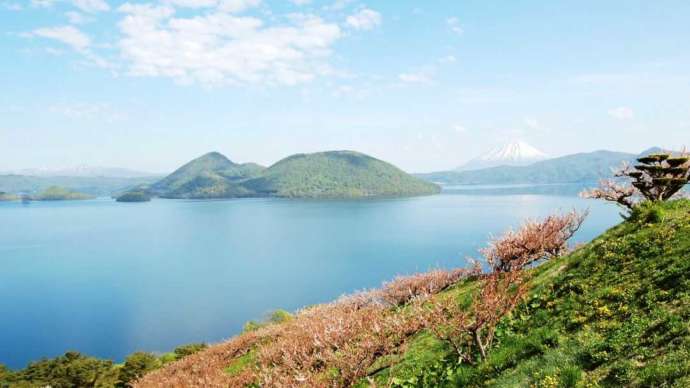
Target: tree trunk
[(480, 345)]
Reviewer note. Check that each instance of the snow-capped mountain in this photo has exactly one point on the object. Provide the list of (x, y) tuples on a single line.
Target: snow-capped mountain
[(512, 154)]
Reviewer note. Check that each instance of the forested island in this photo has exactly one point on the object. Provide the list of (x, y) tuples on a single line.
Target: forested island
[(332, 174), (52, 193)]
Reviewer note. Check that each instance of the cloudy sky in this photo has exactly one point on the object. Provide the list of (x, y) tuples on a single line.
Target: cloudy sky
[(424, 84)]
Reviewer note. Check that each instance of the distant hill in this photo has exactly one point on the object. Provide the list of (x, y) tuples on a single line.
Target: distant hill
[(576, 168), (57, 193), (82, 172), (334, 174), (337, 174), (209, 176), (97, 186)]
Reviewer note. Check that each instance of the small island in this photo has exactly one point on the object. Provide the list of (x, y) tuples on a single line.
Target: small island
[(57, 193), (8, 197), (134, 196)]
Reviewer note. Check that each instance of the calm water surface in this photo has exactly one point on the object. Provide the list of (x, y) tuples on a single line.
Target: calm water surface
[(108, 279)]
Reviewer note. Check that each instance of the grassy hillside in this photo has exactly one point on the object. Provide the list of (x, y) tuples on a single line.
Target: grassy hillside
[(583, 167), (337, 174), (613, 313)]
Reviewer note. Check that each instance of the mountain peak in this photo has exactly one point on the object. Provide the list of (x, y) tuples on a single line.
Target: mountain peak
[(512, 154)]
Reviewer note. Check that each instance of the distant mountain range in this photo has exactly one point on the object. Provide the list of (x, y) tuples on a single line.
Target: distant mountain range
[(81, 172), (96, 186), (512, 154), (333, 174), (577, 168)]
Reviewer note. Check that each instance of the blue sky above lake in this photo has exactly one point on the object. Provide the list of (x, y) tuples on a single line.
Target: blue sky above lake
[(426, 85)]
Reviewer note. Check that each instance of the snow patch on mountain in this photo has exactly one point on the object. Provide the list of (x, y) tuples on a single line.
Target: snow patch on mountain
[(513, 154)]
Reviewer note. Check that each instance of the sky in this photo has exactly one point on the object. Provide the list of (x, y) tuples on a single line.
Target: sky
[(425, 85)]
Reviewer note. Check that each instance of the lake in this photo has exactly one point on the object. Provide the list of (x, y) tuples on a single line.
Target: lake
[(108, 279)]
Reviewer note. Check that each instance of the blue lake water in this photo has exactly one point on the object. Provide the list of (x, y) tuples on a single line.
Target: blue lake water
[(107, 279)]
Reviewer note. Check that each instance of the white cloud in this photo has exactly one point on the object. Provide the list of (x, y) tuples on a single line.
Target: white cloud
[(235, 6), (339, 5), (42, 3), (11, 6), (300, 2), (65, 34), (232, 6), (365, 19), (622, 113), (91, 6), (459, 128), (448, 59), (453, 24), (79, 111), (77, 18), (419, 77), (193, 3), (221, 48)]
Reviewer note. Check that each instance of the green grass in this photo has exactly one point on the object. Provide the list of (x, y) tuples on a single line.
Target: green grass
[(240, 363), (613, 313)]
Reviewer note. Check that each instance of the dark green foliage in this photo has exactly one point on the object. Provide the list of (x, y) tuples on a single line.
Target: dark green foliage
[(5, 373), (614, 313), (277, 316), (134, 196), (186, 350), (337, 174), (71, 370), (656, 178), (135, 366)]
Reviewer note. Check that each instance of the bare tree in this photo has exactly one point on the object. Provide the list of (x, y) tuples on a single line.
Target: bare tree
[(534, 241), (656, 177)]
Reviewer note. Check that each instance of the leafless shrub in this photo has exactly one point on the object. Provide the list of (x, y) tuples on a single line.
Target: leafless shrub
[(333, 345), (534, 241), (470, 332), (404, 288)]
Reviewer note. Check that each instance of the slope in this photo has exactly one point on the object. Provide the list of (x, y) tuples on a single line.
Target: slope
[(613, 313), (209, 176)]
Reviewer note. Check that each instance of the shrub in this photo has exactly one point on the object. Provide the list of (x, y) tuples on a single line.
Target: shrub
[(69, 370), (186, 350), (405, 288), (135, 366), (534, 241)]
